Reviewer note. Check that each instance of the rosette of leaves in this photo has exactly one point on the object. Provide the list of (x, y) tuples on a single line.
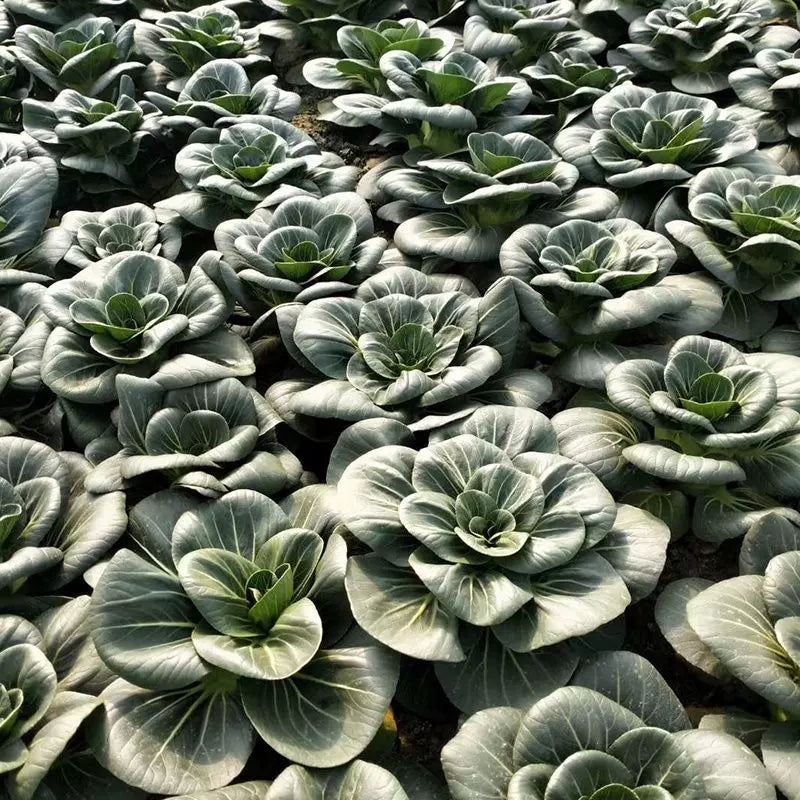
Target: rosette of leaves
[(421, 349), (249, 165), (98, 141), (721, 416), (136, 313), (363, 47), (307, 248), (436, 104), (697, 43), (520, 32), (462, 207), (567, 83), (490, 552), (210, 438), (640, 138), (711, 422), (600, 289), (618, 731), (27, 187), (745, 230), (250, 642), (746, 628), (87, 54), (15, 85), (44, 703), (23, 332), (769, 91), (95, 235), (180, 42), (218, 89), (51, 529), (51, 673), (60, 12)]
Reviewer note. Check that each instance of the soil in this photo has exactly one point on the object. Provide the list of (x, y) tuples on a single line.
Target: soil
[(352, 144), (421, 740)]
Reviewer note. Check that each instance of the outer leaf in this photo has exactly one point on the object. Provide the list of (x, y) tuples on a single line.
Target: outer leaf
[(672, 619), (26, 192), (498, 324), (747, 728), (634, 683), (637, 549), (328, 713), (567, 721), (152, 522), (345, 783), (171, 742), (87, 529), (370, 492), (240, 522), (764, 465), (597, 438), (65, 715), (662, 462), (781, 751), (79, 775), (568, 601), (446, 234), (731, 619), (360, 438), (729, 768), (67, 642), (143, 623), (17, 630), (478, 761), (514, 430), (327, 334), (492, 675), (25, 667), (395, 607), (654, 756), (769, 536)]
